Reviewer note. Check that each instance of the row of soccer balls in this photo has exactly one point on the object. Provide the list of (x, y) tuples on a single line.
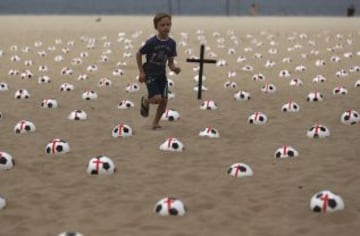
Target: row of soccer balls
[(323, 201)]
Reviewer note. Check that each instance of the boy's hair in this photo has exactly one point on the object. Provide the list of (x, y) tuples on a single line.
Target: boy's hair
[(160, 16)]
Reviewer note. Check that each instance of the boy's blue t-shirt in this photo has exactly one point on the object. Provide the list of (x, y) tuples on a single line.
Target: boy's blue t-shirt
[(157, 52)]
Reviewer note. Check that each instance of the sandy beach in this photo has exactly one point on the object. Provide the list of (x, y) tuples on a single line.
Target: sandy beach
[(49, 194)]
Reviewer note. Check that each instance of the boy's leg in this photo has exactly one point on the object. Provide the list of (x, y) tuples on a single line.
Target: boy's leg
[(159, 111)]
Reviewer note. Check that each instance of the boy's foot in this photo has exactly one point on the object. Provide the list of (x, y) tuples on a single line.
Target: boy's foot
[(144, 109), (155, 127)]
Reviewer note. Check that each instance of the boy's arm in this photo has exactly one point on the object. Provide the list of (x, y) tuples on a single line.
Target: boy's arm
[(140, 67), (172, 66)]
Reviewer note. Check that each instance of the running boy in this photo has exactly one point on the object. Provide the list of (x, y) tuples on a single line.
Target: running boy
[(159, 50)]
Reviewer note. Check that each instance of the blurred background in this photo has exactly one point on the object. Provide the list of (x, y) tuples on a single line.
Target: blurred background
[(184, 7)]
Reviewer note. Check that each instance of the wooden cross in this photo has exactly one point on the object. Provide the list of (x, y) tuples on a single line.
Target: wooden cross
[(201, 62)]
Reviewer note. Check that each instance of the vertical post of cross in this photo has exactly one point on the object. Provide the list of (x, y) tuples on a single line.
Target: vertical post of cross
[(201, 70), (201, 62)]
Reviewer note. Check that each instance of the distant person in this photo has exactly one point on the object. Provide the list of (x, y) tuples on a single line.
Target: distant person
[(351, 10), (159, 50), (253, 9)]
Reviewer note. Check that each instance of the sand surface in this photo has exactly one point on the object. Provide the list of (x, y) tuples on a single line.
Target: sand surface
[(49, 194)]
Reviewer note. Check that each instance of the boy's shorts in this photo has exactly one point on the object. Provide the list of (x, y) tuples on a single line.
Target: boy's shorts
[(157, 85)]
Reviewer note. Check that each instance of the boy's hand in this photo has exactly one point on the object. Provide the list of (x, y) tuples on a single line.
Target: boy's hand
[(176, 70), (142, 77)]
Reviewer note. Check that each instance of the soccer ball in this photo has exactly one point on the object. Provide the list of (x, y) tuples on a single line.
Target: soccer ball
[(70, 233), (268, 88), (92, 68), (239, 170), (132, 88), (170, 115), (319, 79), (104, 82), (326, 201), (230, 84), (221, 63), (290, 107), (284, 73), (24, 126), (203, 88), (77, 115), (247, 68), (209, 132), (300, 68), (357, 84), (340, 90), (257, 118), (208, 105), (314, 97), (125, 104), (172, 144), (171, 94), (196, 78), (101, 165), (6, 161), (170, 207), (242, 96), (22, 94), (286, 151), (2, 202), (83, 77), (3, 87), (65, 70), (118, 72), (350, 117), (44, 79), (57, 147), (66, 87), (258, 77), (43, 68), (122, 130), (318, 131), (296, 82), (171, 83), (49, 103), (89, 95)]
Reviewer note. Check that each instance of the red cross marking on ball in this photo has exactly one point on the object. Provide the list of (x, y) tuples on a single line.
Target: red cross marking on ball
[(97, 163), (325, 200), (168, 202), (53, 145)]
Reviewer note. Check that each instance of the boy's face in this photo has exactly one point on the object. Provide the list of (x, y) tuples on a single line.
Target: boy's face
[(164, 26)]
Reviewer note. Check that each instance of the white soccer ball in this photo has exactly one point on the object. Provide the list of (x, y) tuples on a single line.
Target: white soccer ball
[(315, 97), (101, 165), (296, 82), (209, 132), (284, 73), (247, 68), (2, 202), (22, 94), (57, 147), (170, 115), (77, 115), (319, 79), (132, 88), (3, 87), (170, 207), (89, 95), (350, 117), (44, 79), (122, 130), (203, 88), (24, 126), (257, 118), (43, 68), (285, 152), (326, 202), (357, 84), (340, 90), (230, 84), (290, 107), (83, 77), (7, 162), (66, 71), (125, 104), (104, 82), (49, 103), (172, 144), (268, 88), (258, 77), (208, 105), (92, 68), (196, 78), (70, 233), (66, 87), (171, 83), (171, 94), (242, 96), (240, 170), (318, 131), (118, 72)]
